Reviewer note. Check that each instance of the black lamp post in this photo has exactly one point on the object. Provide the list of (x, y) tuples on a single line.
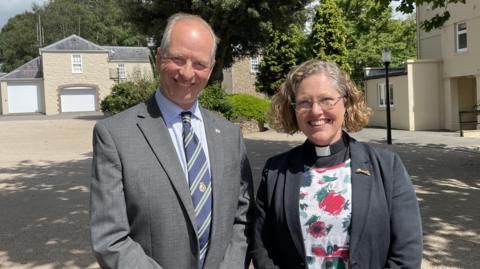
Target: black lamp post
[(386, 57)]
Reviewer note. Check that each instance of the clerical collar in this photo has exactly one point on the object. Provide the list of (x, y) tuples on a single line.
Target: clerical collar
[(322, 151), (323, 156)]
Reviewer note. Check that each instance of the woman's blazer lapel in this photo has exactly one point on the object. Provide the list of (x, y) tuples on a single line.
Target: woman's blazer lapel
[(293, 181), (362, 180)]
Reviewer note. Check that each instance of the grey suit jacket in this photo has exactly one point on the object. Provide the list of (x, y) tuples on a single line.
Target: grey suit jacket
[(141, 212), (386, 227)]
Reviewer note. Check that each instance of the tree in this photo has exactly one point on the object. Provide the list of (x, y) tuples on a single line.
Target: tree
[(408, 6), (283, 51), (329, 35), (17, 41), (100, 21), (371, 27), (241, 25)]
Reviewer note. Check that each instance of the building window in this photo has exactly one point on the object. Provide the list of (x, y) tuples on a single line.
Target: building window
[(382, 95), (77, 63), (122, 73), (461, 37), (254, 62)]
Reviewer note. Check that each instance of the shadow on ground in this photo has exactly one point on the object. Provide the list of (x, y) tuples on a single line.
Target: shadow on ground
[(44, 209), (448, 188), (44, 206)]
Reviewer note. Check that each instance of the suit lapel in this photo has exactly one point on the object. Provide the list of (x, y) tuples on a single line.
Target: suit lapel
[(362, 180), (153, 127), (293, 180), (215, 155)]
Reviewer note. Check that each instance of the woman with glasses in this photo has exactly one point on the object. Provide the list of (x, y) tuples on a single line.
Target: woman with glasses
[(332, 202)]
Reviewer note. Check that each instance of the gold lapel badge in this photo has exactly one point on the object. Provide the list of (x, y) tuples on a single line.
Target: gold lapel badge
[(361, 171), (202, 187)]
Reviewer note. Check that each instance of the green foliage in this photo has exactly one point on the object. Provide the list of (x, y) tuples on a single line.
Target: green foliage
[(128, 94), (371, 28), (17, 41), (213, 98), (248, 107), (241, 25), (100, 21), (284, 51), (329, 35), (441, 6)]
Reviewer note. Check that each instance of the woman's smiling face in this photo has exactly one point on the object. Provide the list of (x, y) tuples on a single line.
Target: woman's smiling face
[(322, 124)]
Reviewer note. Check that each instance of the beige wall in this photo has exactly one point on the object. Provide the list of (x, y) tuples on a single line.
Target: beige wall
[(430, 47), (459, 88), (227, 83), (425, 89), (57, 70), (429, 43), (3, 98), (239, 79), (461, 63), (456, 64), (399, 114), (144, 70), (417, 98)]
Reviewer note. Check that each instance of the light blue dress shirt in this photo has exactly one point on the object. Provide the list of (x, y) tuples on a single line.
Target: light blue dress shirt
[(173, 120)]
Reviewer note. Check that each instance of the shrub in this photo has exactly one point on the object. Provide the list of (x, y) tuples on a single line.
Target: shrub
[(128, 94), (248, 107), (213, 98)]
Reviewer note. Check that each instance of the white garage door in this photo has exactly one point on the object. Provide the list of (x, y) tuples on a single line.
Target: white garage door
[(23, 98), (77, 100)]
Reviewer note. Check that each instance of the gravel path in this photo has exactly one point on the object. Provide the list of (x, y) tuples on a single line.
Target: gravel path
[(45, 169)]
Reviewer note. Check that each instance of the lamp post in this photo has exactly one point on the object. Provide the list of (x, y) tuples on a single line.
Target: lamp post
[(386, 57)]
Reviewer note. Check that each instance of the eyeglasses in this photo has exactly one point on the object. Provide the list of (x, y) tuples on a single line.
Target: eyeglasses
[(325, 103)]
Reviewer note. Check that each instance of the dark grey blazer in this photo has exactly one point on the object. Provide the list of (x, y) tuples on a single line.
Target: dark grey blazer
[(385, 229), (142, 214)]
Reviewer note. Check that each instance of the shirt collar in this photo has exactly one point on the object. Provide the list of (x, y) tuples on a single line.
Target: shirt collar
[(171, 111)]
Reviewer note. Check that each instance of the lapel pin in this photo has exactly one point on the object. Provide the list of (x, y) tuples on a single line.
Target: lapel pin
[(202, 187), (361, 171)]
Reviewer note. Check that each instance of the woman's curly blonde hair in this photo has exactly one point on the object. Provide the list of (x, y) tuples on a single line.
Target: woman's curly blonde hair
[(282, 114)]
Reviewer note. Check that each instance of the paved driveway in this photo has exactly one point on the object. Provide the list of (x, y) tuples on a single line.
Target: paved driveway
[(44, 179)]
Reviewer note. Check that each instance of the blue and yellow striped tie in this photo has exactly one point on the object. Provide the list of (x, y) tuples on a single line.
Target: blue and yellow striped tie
[(200, 184)]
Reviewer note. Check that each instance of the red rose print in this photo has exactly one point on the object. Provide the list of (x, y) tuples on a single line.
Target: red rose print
[(317, 229), (319, 251), (332, 203)]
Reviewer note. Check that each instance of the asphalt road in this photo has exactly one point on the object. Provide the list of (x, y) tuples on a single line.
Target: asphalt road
[(45, 173)]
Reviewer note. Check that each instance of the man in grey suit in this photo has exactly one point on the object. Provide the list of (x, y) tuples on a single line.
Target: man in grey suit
[(142, 212)]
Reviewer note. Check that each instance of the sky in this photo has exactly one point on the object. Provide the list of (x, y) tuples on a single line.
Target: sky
[(10, 8)]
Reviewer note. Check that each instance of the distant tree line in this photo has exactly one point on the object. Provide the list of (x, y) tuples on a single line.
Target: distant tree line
[(100, 21), (349, 32)]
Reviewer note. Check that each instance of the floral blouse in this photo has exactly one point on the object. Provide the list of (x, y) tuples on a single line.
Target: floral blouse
[(325, 215)]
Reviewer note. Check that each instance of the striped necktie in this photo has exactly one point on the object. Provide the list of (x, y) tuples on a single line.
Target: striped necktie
[(200, 184)]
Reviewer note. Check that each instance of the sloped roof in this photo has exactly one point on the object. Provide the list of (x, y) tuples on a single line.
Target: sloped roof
[(31, 70), (34, 70), (128, 53), (73, 43)]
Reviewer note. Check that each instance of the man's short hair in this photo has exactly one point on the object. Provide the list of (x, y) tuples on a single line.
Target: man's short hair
[(172, 20)]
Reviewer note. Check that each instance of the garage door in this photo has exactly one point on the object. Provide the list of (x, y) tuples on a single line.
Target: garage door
[(77, 100), (23, 98)]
